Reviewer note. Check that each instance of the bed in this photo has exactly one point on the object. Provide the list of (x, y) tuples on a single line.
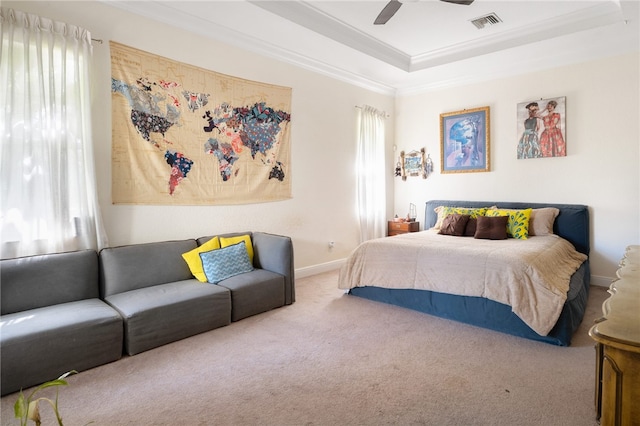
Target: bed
[(479, 305)]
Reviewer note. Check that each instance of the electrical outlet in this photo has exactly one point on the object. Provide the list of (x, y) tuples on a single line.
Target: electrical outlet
[(331, 244)]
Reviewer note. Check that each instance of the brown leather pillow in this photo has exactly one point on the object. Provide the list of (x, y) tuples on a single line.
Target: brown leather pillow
[(454, 224), (492, 228), (470, 229)]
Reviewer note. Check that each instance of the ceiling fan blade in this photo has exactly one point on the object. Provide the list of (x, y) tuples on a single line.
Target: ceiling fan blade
[(463, 2), (389, 10)]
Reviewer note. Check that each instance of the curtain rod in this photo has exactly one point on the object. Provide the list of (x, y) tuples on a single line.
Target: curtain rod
[(381, 112)]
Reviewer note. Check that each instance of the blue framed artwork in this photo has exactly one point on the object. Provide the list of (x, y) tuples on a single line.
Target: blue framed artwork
[(464, 141)]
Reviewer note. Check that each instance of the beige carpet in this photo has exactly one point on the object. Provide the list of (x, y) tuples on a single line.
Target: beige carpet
[(335, 359)]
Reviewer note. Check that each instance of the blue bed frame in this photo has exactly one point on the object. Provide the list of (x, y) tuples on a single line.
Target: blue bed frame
[(571, 224)]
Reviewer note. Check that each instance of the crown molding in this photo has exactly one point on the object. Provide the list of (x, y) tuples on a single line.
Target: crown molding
[(163, 12), (589, 32)]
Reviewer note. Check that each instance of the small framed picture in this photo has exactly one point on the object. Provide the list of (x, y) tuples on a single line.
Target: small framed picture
[(413, 164), (464, 141)]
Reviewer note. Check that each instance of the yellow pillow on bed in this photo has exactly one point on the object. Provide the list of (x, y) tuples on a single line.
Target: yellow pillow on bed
[(444, 211), (518, 224)]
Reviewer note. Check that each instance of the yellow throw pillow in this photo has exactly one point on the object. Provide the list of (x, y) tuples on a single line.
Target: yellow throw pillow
[(518, 224), (228, 241), (195, 262)]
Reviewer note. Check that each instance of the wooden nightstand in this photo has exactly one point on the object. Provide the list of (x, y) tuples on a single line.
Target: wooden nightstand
[(395, 228)]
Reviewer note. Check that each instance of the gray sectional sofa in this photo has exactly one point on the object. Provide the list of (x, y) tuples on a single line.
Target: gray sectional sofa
[(52, 319), (78, 310)]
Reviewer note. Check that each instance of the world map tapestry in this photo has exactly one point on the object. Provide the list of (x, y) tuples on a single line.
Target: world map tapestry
[(184, 135)]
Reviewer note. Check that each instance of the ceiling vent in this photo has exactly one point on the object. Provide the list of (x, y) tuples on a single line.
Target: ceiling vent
[(490, 19)]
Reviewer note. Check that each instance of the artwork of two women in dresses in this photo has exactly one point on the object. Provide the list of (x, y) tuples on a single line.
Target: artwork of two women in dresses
[(549, 143)]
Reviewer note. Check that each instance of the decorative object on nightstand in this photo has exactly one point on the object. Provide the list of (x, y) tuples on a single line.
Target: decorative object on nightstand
[(617, 337), (401, 226), (412, 213)]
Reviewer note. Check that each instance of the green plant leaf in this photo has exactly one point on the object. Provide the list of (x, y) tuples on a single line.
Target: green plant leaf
[(19, 407), (56, 382)]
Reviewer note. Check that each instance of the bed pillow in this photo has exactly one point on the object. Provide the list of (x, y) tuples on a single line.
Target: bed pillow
[(444, 211), (542, 220), (227, 241), (454, 224), (226, 262), (518, 223), (193, 258), (491, 227), (470, 229)]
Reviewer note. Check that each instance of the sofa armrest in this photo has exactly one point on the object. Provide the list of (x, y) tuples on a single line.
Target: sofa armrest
[(275, 253)]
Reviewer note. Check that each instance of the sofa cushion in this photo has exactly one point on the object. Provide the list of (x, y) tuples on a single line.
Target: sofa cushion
[(37, 281), (164, 313), (39, 345), (255, 292), (136, 266)]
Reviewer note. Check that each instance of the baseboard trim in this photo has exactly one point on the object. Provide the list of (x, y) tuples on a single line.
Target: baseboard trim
[(319, 269), (601, 281)]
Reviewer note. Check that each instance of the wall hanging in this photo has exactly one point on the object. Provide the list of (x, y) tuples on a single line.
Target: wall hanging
[(464, 141), (541, 128), (185, 135), (412, 164)]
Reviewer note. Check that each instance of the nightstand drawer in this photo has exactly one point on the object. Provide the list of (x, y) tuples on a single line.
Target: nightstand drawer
[(395, 228)]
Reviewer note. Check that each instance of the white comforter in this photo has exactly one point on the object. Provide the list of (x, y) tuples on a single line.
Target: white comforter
[(532, 276)]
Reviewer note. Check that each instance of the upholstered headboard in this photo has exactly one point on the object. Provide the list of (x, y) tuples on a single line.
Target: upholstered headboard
[(572, 222)]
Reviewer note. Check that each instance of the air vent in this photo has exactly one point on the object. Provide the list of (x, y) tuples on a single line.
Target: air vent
[(490, 19)]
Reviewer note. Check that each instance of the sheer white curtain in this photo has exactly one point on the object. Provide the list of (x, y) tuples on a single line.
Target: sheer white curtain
[(48, 199), (370, 173)]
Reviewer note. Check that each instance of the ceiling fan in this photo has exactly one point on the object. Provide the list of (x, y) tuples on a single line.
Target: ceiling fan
[(392, 7)]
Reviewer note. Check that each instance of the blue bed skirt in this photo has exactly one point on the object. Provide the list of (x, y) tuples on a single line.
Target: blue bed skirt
[(486, 313), (572, 224)]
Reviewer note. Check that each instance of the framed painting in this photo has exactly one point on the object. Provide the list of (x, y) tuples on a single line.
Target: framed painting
[(464, 141), (541, 128), (413, 164)]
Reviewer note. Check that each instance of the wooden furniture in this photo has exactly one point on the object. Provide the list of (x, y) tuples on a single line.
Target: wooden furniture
[(617, 337), (395, 228)]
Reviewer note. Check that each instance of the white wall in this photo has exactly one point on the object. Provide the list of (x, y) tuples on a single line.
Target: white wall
[(601, 168), (322, 140)]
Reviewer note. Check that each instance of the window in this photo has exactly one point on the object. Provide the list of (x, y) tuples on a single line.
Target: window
[(48, 200)]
